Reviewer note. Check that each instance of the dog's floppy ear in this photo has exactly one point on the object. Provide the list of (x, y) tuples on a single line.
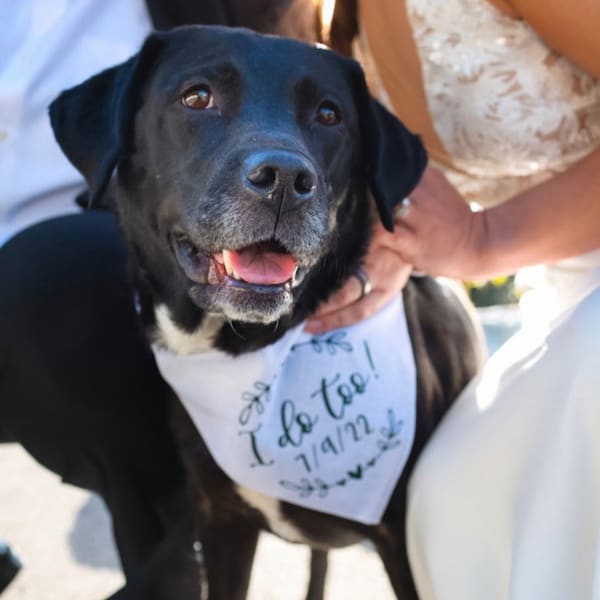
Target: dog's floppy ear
[(394, 157), (91, 121)]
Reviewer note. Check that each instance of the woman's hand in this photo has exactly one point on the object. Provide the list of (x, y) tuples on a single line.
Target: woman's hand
[(387, 271), (438, 234)]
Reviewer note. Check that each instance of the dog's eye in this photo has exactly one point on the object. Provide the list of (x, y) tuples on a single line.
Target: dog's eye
[(198, 98), (328, 113)]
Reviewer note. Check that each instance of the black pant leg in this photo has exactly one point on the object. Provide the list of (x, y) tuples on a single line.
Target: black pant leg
[(78, 384)]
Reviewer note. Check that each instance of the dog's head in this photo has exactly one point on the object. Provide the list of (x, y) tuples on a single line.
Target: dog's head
[(243, 164)]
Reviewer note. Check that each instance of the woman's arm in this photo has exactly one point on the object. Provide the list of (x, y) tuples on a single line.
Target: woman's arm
[(557, 219), (569, 27)]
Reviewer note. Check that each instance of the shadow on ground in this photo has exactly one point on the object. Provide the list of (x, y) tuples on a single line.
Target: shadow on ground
[(90, 540)]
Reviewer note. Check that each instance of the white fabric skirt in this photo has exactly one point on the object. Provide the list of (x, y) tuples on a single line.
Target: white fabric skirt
[(505, 501)]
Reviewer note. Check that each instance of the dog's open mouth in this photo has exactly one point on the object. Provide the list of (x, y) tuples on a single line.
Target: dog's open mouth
[(264, 267), (266, 263)]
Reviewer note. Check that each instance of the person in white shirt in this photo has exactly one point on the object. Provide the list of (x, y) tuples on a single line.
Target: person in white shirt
[(79, 388)]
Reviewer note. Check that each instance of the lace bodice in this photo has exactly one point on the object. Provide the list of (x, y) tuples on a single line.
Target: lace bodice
[(509, 110)]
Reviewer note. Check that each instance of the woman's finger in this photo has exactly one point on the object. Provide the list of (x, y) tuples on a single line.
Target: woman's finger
[(388, 275), (402, 241), (348, 294)]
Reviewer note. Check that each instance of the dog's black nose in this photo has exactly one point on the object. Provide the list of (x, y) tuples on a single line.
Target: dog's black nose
[(280, 176)]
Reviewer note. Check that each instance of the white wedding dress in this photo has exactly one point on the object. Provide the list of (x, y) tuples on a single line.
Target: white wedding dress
[(505, 501)]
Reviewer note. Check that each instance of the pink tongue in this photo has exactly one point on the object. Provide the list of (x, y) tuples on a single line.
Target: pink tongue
[(263, 268)]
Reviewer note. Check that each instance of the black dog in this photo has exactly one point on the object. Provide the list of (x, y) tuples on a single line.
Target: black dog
[(244, 169)]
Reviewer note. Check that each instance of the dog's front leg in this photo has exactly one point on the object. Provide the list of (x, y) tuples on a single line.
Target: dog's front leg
[(318, 574), (173, 572), (228, 548), (225, 526), (392, 550)]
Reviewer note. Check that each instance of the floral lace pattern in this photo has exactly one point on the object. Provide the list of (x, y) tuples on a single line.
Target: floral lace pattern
[(510, 111)]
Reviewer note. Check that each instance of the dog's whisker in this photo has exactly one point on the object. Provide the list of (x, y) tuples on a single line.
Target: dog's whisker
[(235, 330)]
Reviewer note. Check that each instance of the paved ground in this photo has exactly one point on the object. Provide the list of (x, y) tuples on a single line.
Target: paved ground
[(62, 534)]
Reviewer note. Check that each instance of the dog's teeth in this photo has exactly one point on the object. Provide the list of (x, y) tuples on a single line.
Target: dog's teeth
[(227, 262), (294, 282)]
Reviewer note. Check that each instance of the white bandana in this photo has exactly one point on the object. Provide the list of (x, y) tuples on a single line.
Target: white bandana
[(325, 422)]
